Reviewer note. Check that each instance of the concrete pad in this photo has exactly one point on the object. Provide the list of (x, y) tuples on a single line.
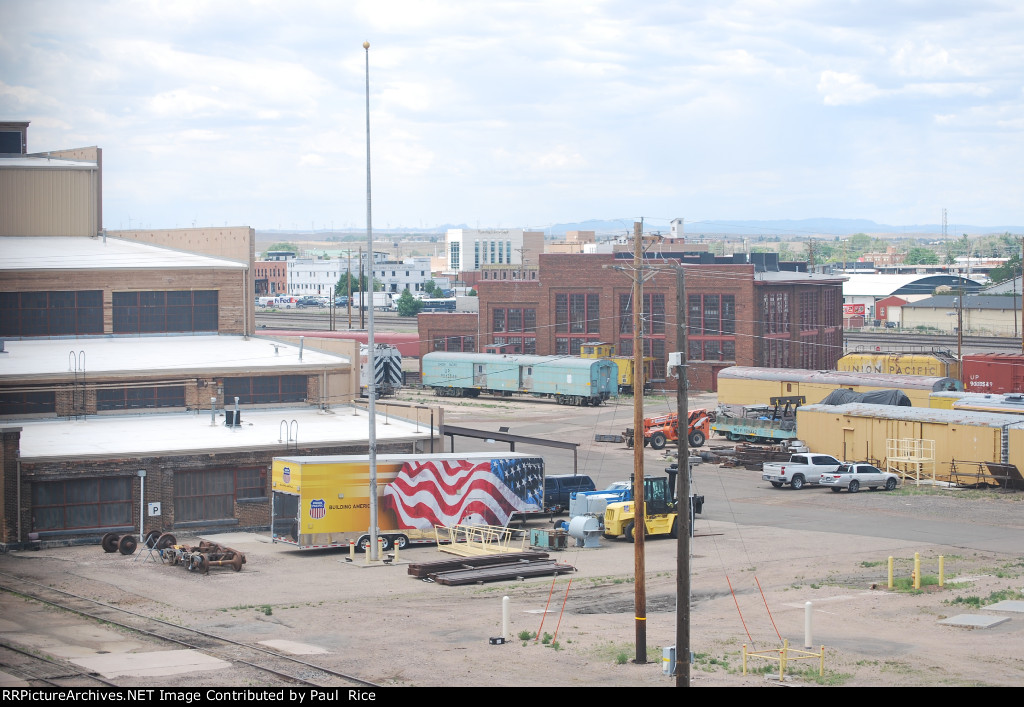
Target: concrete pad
[(11, 681), (1016, 607), (233, 539), (294, 648), (154, 664), (974, 621)]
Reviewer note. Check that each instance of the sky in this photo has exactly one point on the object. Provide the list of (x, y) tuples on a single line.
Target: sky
[(523, 114)]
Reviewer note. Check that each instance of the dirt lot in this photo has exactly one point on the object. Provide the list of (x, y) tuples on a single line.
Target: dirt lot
[(749, 586)]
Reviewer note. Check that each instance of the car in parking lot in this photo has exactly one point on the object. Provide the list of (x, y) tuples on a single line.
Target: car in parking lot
[(309, 301), (854, 477)]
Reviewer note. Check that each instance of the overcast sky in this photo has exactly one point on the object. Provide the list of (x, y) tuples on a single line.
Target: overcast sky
[(526, 114)]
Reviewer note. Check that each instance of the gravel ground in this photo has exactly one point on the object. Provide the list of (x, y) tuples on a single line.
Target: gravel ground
[(749, 587)]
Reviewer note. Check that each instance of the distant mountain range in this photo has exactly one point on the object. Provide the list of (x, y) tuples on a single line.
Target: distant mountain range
[(802, 228)]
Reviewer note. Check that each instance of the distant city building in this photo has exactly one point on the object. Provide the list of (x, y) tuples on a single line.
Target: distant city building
[(468, 250)]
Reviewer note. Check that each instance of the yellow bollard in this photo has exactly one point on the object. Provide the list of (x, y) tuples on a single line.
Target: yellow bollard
[(744, 658), (395, 544), (942, 571), (917, 570), (821, 666), (782, 659), (352, 550), (890, 571)]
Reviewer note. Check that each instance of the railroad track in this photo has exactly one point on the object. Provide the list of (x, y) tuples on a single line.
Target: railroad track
[(282, 669)]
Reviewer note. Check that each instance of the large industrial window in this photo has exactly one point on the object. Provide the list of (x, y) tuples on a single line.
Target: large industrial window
[(28, 402), (265, 389), (51, 313), (140, 398), (204, 495), (577, 313), (159, 312), (82, 503), (250, 483), (455, 343)]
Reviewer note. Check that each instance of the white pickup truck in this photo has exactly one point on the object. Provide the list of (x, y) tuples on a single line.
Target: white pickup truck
[(801, 469)]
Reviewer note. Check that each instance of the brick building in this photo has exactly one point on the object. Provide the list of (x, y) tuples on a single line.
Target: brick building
[(739, 312)]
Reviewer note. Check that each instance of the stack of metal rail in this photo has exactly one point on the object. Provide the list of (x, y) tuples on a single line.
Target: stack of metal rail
[(490, 568)]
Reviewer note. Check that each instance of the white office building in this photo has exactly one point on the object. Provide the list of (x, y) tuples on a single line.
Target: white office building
[(470, 249), (314, 276)]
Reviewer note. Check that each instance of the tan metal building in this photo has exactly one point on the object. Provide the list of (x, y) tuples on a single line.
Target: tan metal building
[(860, 432)]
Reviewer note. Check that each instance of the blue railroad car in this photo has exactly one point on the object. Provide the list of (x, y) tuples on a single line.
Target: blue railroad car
[(569, 380)]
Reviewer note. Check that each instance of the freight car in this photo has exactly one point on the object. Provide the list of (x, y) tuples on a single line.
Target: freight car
[(941, 364), (743, 385), (569, 380), (994, 373)]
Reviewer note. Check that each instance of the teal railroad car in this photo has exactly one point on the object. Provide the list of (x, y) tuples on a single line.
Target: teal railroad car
[(568, 379)]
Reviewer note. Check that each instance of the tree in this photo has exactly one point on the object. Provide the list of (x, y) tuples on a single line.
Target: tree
[(472, 293), (431, 289), (1009, 269), (351, 283), (919, 255), (408, 306), (290, 247)]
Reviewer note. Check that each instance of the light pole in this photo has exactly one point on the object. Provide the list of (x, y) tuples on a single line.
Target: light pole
[(371, 385)]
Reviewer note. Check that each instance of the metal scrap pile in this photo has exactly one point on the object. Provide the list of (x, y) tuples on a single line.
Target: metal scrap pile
[(201, 557)]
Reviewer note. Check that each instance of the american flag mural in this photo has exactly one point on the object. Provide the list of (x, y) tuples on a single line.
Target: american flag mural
[(464, 492)]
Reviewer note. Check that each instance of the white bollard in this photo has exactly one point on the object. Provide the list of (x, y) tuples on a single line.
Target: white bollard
[(808, 641), (504, 617)]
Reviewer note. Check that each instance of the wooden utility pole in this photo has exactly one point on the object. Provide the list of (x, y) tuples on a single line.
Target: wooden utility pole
[(683, 513), (639, 510)]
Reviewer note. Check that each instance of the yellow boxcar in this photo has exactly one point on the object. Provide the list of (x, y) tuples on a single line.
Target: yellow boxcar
[(859, 432), (747, 385), (936, 364), (324, 501)]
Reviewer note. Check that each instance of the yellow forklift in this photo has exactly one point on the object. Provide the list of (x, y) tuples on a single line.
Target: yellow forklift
[(661, 507)]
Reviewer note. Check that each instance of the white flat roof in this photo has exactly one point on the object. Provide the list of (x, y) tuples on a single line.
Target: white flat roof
[(208, 354), (191, 433), (95, 253)]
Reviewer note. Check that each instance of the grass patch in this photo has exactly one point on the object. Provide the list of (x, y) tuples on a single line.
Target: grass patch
[(993, 598), (905, 584)]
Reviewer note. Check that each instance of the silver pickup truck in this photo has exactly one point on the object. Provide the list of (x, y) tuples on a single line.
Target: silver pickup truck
[(801, 469)]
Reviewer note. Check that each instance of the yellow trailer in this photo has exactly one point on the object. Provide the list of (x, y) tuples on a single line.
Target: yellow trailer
[(324, 501), (859, 432)]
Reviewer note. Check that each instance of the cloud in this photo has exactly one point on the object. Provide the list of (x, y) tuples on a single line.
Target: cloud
[(839, 89)]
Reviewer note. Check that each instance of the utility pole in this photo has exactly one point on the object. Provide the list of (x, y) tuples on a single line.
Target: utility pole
[(639, 510), (362, 295), (683, 502)]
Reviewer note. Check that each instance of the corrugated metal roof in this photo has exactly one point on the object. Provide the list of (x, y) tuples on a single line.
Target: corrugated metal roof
[(890, 412), (969, 302), (93, 253), (44, 163), (805, 375)]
